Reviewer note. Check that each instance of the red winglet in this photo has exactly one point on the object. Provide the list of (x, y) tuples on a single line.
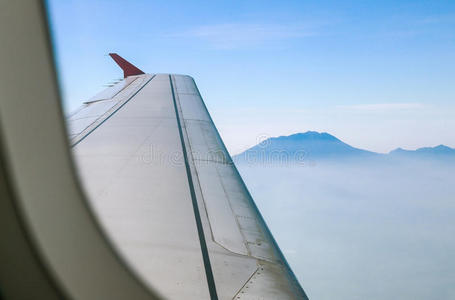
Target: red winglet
[(128, 68)]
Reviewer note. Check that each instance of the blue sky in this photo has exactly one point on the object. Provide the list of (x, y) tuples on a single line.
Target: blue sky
[(377, 74)]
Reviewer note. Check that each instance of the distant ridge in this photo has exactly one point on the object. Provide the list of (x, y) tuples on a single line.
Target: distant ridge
[(316, 146), (440, 151)]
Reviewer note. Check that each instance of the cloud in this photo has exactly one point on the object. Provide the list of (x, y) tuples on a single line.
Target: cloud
[(382, 107), (431, 25), (290, 251), (240, 35), (438, 19)]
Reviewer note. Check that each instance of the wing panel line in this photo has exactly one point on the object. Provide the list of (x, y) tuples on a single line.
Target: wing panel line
[(291, 274), (204, 250)]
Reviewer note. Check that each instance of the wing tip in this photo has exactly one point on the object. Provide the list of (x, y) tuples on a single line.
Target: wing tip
[(128, 68)]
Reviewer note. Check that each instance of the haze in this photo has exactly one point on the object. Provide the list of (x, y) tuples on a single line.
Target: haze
[(362, 230)]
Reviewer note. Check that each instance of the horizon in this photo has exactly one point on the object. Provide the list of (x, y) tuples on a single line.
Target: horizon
[(323, 132), (377, 75)]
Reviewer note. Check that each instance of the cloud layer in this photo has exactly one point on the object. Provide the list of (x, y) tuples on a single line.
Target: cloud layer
[(241, 35)]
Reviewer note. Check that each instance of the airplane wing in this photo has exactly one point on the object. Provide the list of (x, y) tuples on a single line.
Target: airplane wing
[(168, 195)]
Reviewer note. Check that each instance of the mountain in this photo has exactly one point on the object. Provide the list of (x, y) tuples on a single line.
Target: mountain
[(440, 151), (315, 146), (310, 145)]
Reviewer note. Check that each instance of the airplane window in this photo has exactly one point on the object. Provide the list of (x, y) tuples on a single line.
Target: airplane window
[(293, 149)]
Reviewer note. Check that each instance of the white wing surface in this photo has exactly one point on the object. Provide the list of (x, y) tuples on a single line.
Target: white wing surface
[(169, 197)]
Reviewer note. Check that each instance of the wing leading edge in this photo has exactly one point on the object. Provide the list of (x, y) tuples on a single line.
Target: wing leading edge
[(169, 197)]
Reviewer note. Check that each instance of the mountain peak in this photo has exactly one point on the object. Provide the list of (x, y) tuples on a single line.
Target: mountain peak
[(443, 147), (309, 135), (312, 134), (310, 145)]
